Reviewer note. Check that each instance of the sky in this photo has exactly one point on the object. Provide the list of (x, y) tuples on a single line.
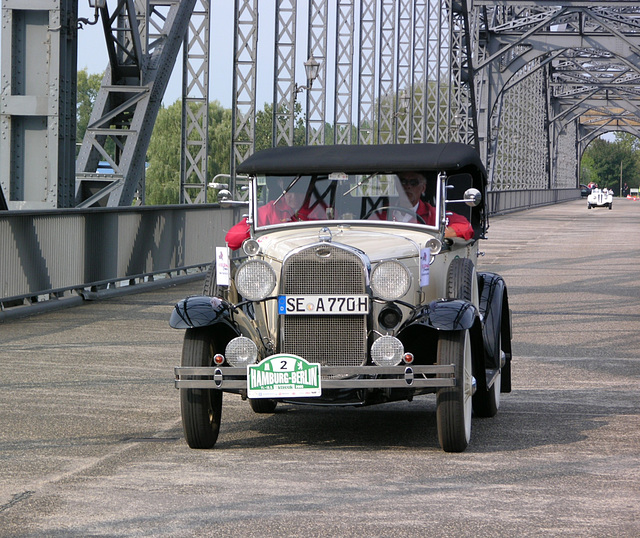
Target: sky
[(92, 51)]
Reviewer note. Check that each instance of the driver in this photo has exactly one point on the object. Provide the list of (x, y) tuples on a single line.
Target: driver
[(414, 185)]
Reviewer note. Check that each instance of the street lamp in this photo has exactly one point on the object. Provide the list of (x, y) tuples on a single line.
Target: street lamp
[(404, 99), (620, 192), (96, 5), (311, 67)]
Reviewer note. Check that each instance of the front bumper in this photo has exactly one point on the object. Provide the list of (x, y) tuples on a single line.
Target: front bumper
[(360, 377)]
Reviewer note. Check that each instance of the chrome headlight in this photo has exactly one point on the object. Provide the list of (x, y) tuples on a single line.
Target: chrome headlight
[(255, 280), (241, 351), (390, 280), (387, 351)]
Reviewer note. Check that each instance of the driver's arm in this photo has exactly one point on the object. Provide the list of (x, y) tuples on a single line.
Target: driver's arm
[(458, 226)]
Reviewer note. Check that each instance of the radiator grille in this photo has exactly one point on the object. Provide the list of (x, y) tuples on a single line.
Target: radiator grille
[(334, 271), (328, 340)]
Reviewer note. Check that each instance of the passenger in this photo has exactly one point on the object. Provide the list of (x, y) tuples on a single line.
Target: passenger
[(414, 185), (291, 207)]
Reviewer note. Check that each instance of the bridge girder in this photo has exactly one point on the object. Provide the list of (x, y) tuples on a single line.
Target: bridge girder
[(513, 78), (589, 54)]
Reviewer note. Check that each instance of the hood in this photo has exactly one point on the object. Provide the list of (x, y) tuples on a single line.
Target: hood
[(379, 244)]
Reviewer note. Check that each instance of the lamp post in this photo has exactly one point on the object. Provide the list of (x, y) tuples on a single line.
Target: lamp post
[(96, 5), (404, 99), (620, 191), (311, 67)]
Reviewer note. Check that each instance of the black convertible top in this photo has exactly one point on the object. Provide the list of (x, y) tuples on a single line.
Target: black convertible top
[(288, 160)]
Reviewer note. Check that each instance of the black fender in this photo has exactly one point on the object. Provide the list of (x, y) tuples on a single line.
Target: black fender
[(201, 311), (494, 307), (225, 320), (420, 334), (451, 314)]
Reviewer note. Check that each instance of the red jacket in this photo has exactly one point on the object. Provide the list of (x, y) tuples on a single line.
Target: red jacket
[(271, 214)]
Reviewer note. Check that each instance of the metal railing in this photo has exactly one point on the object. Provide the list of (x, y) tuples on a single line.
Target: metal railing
[(49, 255), (500, 202)]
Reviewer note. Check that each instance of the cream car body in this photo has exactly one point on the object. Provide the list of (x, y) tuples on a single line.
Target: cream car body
[(345, 294)]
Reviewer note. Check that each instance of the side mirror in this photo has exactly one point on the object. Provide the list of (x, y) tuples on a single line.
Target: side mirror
[(224, 197), (472, 197)]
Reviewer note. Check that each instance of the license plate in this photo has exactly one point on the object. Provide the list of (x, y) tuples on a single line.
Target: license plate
[(323, 304)]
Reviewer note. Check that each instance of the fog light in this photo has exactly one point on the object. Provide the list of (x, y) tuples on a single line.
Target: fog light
[(241, 351), (387, 351)]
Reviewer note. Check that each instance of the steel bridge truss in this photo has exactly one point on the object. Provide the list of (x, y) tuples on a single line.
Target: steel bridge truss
[(552, 77), (529, 83), (143, 38), (417, 49)]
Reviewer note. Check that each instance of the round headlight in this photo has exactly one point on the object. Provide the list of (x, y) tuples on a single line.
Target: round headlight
[(387, 351), (241, 351), (255, 280), (390, 280)]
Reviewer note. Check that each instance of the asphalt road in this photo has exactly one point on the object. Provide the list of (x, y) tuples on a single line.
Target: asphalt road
[(91, 441)]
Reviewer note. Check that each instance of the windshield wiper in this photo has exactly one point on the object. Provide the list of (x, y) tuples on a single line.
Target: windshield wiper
[(366, 178), (289, 187)]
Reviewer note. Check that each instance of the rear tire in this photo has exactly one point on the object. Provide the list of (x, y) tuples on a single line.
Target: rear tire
[(487, 402), (201, 408), (210, 287), (454, 404)]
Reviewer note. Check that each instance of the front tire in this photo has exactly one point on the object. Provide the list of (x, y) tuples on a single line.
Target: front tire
[(262, 405), (454, 404), (201, 409)]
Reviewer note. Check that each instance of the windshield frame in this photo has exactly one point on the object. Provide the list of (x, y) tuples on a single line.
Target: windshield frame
[(350, 185)]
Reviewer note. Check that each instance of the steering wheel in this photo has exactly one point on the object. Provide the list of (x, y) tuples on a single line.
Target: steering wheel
[(390, 208)]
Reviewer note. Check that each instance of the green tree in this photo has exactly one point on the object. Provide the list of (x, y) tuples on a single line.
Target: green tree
[(611, 163), (264, 127), (164, 152), (88, 87), (163, 155), (219, 139)]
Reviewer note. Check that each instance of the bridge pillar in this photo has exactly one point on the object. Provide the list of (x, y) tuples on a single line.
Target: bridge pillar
[(38, 103)]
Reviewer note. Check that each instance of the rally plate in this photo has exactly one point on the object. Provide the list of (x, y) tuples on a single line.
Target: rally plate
[(283, 376)]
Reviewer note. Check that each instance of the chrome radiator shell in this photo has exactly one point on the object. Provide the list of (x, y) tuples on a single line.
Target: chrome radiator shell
[(330, 340)]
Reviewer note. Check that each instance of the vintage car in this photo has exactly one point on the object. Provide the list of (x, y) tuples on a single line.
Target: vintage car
[(344, 294), (600, 198)]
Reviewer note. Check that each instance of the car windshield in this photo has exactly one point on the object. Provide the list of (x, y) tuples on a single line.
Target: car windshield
[(400, 199)]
